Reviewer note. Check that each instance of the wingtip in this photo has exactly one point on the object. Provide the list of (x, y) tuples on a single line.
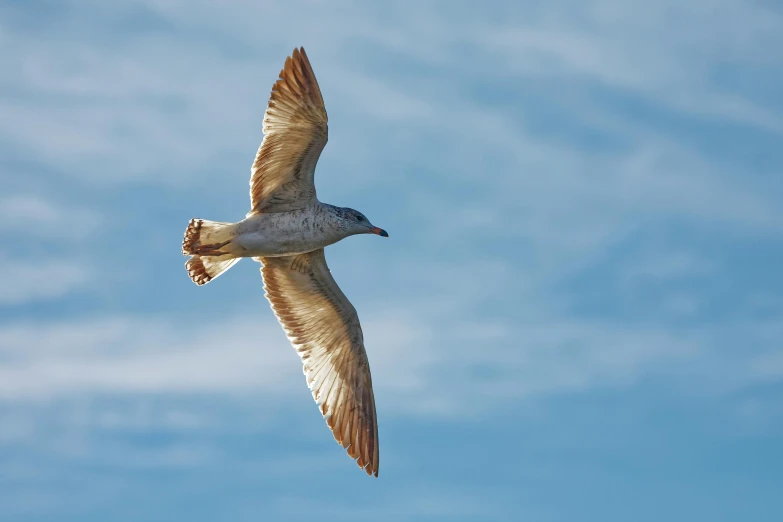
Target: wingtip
[(371, 468), (372, 472), (297, 52), (300, 54)]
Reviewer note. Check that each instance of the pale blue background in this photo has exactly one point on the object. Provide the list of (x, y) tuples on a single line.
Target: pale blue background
[(578, 315)]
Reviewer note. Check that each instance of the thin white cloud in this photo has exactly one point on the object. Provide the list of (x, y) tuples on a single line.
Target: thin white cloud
[(461, 368), (152, 105), (29, 214), (30, 280), (132, 356), (620, 44)]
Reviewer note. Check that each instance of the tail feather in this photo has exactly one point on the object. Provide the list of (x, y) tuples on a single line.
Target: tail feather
[(206, 241), (192, 234), (202, 270), (205, 232)]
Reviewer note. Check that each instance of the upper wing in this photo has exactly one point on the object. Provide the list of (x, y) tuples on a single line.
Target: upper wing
[(324, 329), (295, 133)]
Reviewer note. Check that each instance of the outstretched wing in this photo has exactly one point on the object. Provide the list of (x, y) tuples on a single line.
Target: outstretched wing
[(295, 133), (323, 327)]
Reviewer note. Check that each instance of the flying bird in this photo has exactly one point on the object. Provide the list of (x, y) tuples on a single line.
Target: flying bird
[(286, 231)]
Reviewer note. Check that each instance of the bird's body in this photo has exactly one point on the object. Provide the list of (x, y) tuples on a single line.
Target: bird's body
[(289, 233), (286, 230)]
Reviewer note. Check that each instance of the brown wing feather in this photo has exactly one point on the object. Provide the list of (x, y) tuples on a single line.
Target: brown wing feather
[(295, 133), (324, 328)]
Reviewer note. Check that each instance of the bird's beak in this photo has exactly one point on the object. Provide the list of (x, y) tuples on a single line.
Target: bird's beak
[(381, 232)]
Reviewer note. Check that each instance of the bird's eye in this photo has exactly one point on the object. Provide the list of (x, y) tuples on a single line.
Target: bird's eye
[(359, 218)]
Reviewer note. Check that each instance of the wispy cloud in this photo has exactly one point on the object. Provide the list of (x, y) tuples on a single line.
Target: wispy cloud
[(419, 366), (32, 215), (147, 356), (30, 280)]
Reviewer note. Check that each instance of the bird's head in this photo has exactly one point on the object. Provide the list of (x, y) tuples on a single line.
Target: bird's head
[(357, 223)]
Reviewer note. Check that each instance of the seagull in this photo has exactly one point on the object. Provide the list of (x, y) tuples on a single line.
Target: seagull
[(286, 231)]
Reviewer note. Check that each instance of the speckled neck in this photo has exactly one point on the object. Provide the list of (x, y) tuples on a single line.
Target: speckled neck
[(337, 217)]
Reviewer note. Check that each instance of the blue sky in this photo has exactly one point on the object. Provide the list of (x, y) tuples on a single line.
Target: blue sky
[(578, 315)]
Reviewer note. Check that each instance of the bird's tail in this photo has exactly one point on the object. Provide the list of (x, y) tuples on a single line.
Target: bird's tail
[(202, 270), (208, 242)]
